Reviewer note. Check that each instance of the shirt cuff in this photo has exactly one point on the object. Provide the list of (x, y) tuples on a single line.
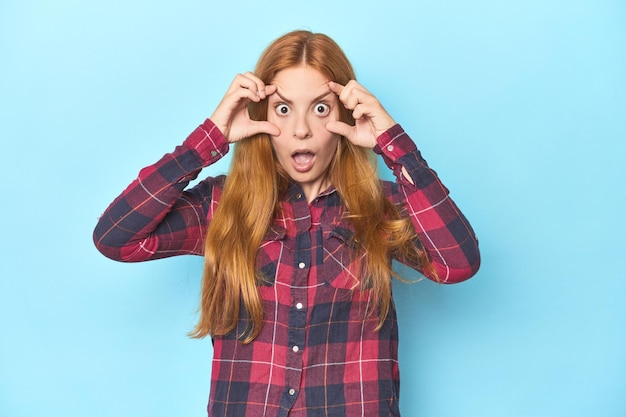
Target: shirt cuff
[(208, 142), (394, 144)]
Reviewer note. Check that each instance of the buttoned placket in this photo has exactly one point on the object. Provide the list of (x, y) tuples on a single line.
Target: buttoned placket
[(298, 290)]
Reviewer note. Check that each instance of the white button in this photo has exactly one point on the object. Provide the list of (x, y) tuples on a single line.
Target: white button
[(299, 306), (390, 148), (292, 391), (301, 265), (295, 349)]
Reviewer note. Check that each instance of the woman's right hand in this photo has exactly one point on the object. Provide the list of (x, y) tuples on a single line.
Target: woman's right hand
[(231, 115)]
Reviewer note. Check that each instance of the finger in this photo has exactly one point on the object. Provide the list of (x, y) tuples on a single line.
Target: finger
[(243, 94), (266, 127), (270, 89), (352, 101), (260, 85), (358, 112), (243, 81), (252, 128), (335, 87), (340, 128), (349, 89), (363, 107), (352, 95), (355, 85)]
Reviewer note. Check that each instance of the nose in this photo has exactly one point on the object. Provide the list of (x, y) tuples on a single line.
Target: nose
[(301, 129)]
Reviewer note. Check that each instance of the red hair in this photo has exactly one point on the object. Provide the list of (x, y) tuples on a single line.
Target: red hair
[(235, 234)]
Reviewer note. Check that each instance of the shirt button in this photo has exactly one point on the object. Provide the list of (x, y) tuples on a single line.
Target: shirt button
[(299, 306), (390, 148), (292, 391), (295, 349), (214, 153), (301, 265)]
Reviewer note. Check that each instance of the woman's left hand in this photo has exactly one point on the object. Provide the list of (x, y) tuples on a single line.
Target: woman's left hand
[(371, 118)]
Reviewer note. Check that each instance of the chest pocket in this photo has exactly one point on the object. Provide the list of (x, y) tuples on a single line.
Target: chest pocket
[(341, 264), (268, 255)]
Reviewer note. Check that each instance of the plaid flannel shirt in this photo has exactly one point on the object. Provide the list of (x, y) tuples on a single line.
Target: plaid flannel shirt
[(318, 353)]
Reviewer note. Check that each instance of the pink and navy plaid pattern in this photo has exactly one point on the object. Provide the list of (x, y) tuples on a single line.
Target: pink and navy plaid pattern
[(318, 353)]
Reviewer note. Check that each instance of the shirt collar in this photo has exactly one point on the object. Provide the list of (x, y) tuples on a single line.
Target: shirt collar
[(295, 193)]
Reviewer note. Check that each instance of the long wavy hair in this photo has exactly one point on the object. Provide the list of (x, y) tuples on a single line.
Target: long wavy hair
[(243, 217)]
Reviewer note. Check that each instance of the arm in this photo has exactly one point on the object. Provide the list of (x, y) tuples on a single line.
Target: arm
[(154, 217), (443, 230)]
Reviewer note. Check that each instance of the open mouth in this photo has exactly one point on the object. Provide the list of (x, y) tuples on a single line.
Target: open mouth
[(303, 160)]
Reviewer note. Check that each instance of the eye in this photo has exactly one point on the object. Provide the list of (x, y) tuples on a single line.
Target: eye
[(322, 109), (282, 109)]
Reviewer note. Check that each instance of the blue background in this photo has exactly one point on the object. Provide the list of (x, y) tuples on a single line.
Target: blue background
[(519, 105)]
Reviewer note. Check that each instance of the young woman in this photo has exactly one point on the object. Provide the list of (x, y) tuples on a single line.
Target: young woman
[(298, 239)]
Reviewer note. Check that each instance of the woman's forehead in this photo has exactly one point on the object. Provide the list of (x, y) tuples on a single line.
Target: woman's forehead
[(301, 83)]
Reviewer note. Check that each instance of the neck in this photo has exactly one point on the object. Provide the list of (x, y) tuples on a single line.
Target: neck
[(312, 190)]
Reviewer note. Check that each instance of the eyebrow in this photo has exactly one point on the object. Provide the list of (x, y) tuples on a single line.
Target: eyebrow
[(321, 96)]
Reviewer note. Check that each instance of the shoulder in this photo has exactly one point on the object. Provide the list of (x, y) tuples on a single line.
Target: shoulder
[(389, 187), (392, 191), (209, 188)]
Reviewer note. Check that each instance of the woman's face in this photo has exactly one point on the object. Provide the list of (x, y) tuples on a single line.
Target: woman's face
[(301, 107)]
